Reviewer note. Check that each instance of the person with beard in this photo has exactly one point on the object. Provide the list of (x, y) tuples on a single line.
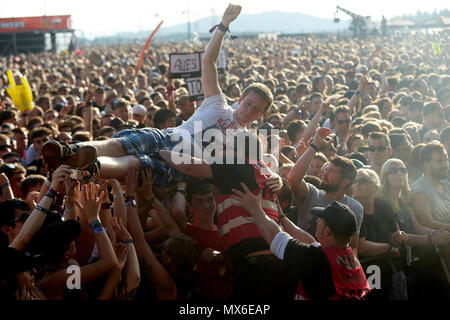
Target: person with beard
[(431, 192), (337, 177)]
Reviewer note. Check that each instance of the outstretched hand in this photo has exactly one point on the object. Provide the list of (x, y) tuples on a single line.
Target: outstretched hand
[(320, 140), (230, 14), (146, 189), (247, 199), (90, 206)]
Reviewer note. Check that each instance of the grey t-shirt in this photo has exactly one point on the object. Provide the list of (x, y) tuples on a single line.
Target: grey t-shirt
[(439, 202), (317, 198)]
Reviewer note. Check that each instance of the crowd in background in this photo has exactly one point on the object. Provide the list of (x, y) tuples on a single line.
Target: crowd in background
[(386, 100)]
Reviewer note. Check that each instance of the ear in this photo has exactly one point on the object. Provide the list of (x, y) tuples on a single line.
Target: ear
[(6, 229)]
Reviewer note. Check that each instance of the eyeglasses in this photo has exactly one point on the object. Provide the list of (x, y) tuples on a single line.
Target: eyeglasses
[(23, 217), (379, 148), (362, 181), (396, 170), (345, 121)]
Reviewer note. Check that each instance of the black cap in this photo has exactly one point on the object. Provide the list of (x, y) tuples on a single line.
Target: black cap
[(339, 217), (53, 240), (8, 210), (14, 261)]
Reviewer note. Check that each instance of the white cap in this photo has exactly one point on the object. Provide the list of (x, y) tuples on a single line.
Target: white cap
[(140, 110)]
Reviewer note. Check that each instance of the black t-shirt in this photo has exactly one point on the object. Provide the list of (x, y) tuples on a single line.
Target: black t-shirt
[(379, 226), (311, 266), (230, 176)]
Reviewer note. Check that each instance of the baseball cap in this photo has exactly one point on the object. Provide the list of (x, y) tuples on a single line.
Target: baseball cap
[(139, 110), (54, 239), (14, 261), (339, 217), (7, 210)]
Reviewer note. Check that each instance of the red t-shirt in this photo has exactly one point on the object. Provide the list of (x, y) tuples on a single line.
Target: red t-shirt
[(205, 238)]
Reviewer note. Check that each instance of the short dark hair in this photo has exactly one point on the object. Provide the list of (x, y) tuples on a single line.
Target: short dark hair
[(161, 116), (40, 132), (342, 109), (380, 135), (429, 149), (294, 127), (196, 186), (348, 169), (29, 182)]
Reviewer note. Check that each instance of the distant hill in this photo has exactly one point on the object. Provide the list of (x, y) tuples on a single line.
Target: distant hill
[(266, 22)]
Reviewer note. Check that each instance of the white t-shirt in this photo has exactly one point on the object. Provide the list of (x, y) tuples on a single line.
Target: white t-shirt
[(214, 114)]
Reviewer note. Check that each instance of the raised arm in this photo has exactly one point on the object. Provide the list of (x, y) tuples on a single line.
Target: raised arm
[(292, 229), (37, 217), (295, 176), (314, 123), (7, 192), (210, 82), (162, 280)]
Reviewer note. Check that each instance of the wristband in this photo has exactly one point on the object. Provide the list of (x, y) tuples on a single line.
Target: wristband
[(181, 191), (97, 230), (312, 145), (96, 224), (39, 208), (6, 184), (281, 217), (127, 241), (51, 193), (129, 198), (223, 28), (118, 195), (131, 202)]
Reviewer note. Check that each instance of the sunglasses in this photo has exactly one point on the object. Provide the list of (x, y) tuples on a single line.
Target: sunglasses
[(23, 217), (4, 147), (396, 170), (346, 121), (379, 148), (362, 181)]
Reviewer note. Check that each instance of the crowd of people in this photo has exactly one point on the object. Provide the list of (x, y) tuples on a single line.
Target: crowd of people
[(357, 182)]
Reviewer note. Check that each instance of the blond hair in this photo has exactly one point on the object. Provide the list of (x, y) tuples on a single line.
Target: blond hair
[(402, 202)]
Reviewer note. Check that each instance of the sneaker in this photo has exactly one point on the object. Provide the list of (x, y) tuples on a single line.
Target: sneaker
[(55, 154)]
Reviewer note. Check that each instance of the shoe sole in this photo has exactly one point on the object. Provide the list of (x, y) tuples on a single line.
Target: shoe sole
[(52, 154), (82, 158)]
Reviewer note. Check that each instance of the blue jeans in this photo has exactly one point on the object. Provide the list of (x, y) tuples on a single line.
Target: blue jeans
[(145, 143)]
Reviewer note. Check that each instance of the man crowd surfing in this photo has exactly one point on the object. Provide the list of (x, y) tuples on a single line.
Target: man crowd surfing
[(346, 197)]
